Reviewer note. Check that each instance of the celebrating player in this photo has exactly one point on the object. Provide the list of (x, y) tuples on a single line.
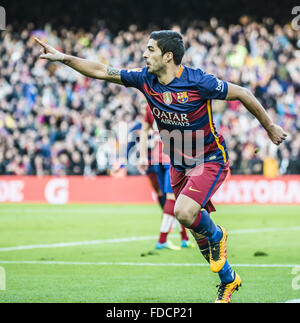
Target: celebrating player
[(180, 99)]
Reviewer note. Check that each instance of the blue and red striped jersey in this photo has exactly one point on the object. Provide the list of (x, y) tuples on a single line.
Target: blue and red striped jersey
[(156, 154), (183, 109)]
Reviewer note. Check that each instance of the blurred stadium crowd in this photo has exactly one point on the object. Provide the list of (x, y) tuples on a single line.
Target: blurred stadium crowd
[(54, 121)]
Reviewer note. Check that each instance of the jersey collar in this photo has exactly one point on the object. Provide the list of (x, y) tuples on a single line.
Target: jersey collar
[(178, 75), (180, 71)]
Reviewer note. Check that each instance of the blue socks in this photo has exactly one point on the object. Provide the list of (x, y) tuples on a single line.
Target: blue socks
[(217, 235), (226, 274), (204, 225)]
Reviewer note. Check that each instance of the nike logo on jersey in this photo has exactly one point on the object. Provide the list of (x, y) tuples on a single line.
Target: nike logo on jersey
[(193, 190), (153, 93)]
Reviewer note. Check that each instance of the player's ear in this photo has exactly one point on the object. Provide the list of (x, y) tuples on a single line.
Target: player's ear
[(168, 57)]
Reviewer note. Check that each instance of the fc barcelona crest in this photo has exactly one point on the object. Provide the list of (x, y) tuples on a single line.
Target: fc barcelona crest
[(167, 98), (182, 97)]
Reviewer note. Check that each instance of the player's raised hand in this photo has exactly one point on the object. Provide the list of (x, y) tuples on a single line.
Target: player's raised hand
[(276, 134), (49, 52)]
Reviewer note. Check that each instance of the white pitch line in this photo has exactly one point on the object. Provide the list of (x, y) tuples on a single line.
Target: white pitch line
[(142, 264), (79, 243), (131, 239)]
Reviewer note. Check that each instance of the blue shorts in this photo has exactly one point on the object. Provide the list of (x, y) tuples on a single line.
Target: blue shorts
[(151, 169), (163, 177)]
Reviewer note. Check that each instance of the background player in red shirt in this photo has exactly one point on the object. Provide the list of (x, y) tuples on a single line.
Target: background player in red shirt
[(160, 163), (180, 99)]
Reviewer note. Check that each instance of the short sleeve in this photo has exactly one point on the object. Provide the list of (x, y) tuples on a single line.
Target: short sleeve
[(211, 87), (132, 77)]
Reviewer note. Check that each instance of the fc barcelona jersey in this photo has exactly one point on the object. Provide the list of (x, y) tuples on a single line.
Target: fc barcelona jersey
[(156, 154), (183, 113)]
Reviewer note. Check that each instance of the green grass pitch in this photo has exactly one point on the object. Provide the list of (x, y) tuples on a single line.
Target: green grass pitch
[(105, 254)]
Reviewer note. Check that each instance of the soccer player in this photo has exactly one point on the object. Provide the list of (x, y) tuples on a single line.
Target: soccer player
[(134, 133), (181, 100), (159, 178), (161, 164)]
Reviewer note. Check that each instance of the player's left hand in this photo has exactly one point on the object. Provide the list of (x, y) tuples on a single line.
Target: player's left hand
[(276, 134)]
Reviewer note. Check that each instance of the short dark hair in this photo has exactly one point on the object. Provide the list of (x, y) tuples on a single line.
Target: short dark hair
[(169, 41)]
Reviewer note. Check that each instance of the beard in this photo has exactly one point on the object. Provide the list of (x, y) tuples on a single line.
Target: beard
[(156, 69)]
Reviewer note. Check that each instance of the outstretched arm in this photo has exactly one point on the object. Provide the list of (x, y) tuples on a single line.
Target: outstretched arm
[(83, 66), (275, 132)]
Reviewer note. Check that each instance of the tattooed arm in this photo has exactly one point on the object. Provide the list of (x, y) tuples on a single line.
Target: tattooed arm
[(83, 66)]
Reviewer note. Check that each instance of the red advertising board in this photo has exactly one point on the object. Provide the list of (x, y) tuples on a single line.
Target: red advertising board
[(259, 190), (76, 189), (137, 189)]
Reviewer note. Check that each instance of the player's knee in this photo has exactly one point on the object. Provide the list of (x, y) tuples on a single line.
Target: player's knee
[(183, 215)]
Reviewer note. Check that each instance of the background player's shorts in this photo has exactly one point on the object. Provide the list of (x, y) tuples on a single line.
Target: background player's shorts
[(163, 177), (200, 187)]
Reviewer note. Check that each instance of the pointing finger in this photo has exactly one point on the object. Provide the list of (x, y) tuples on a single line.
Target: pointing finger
[(40, 42)]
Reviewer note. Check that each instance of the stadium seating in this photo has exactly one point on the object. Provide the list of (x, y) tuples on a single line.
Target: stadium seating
[(54, 121)]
